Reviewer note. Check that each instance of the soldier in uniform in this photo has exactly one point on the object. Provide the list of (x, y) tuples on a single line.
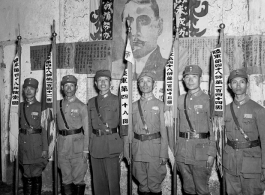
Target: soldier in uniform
[(72, 119), (195, 147), (149, 138), (105, 142), (33, 146), (244, 153)]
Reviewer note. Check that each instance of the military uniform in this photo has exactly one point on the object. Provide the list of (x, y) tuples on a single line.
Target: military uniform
[(72, 141), (194, 147), (244, 160), (32, 142), (149, 143), (105, 143)]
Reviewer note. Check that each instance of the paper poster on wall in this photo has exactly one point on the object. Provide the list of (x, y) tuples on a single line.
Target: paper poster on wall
[(151, 27), (84, 57)]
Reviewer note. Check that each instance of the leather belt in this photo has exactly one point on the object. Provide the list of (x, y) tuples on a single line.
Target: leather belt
[(65, 132), (108, 131), (144, 137), (243, 145), (30, 131), (193, 135)]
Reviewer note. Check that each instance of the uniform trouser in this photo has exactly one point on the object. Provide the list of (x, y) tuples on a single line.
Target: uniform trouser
[(195, 178), (238, 185), (106, 175), (73, 170), (33, 170), (150, 175)]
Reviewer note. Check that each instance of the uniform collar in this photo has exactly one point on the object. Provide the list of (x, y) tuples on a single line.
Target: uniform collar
[(105, 95), (196, 94), (31, 102), (240, 103), (70, 99), (148, 98)]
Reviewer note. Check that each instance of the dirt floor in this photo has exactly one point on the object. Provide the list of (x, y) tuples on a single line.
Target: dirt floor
[(8, 190)]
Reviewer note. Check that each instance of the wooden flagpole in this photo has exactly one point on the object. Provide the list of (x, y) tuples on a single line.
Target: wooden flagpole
[(19, 58), (54, 105), (222, 26), (129, 66), (175, 99)]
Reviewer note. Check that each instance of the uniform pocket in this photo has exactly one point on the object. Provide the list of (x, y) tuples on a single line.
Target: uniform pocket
[(78, 144), (201, 151), (115, 144), (248, 125), (37, 143), (251, 162)]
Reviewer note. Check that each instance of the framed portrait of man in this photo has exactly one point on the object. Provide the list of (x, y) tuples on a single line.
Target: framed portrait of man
[(151, 31)]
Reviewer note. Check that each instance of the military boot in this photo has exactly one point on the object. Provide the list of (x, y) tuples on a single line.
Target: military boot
[(37, 184), (80, 189), (27, 186), (68, 189)]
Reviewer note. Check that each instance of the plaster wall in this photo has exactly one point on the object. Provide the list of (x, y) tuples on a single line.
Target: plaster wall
[(245, 17)]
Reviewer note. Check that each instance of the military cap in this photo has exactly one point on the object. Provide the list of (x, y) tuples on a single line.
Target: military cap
[(147, 73), (69, 79), (102, 73), (237, 73), (192, 69), (31, 82)]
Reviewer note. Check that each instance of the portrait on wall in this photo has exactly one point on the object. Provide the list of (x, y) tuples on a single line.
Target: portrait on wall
[(151, 30)]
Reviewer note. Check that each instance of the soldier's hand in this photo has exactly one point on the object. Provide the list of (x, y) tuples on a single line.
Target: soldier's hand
[(210, 162), (163, 161), (120, 157), (85, 156), (262, 179), (44, 154)]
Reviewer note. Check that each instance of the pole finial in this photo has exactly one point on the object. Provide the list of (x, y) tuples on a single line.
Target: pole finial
[(222, 26)]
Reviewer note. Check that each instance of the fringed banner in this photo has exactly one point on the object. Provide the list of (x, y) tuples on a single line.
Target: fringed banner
[(47, 120), (217, 101), (14, 115)]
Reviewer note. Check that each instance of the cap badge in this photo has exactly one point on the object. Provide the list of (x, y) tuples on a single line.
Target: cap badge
[(190, 69), (237, 72)]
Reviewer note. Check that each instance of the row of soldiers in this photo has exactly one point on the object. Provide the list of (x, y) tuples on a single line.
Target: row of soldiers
[(94, 129)]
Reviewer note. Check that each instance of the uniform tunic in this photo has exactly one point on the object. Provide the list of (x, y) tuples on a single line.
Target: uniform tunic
[(245, 163), (71, 147), (147, 154), (31, 146), (192, 154), (105, 149)]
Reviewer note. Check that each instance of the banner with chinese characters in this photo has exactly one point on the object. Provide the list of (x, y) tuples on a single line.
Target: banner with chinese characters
[(169, 78), (190, 13), (218, 78), (16, 84), (124, 92)]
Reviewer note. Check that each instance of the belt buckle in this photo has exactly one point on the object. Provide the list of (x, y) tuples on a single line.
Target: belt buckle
[(188, 135), (29, 130), (108, 130), (142, 137), (99, 133)]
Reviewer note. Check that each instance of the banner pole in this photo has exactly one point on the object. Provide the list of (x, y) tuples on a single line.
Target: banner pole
[(19, 58), (222, 26), (54, 105)]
